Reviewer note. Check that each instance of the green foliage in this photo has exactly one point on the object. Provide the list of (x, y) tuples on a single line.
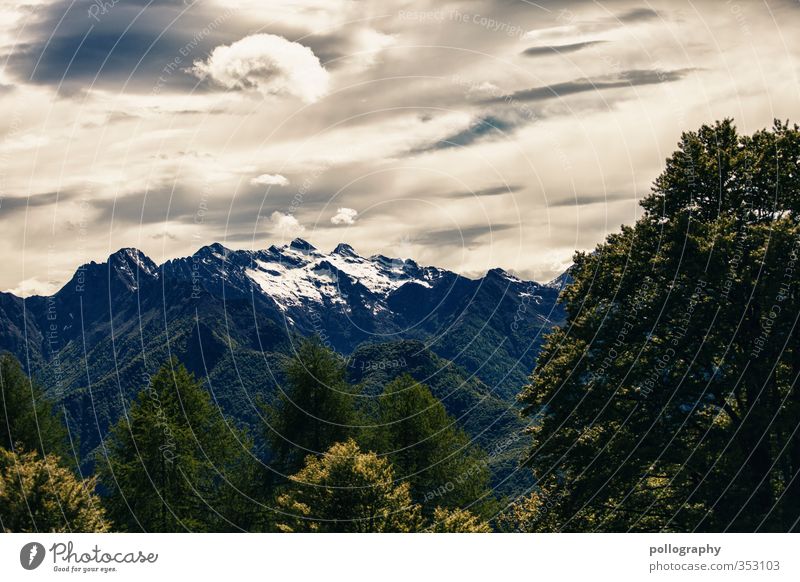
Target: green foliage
[(457, 521), (492, 423), (347, 490), (427, 448), (27, 418), (39, 495), (316, 409), (669, 400), (176, 463)]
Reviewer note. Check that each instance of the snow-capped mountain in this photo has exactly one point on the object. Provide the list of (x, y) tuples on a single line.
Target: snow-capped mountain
[(231, 315)]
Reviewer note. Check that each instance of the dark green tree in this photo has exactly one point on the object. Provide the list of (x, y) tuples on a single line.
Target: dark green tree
[(28, 419), (669, 399), (316, 409), (175, 463), (427, 449)]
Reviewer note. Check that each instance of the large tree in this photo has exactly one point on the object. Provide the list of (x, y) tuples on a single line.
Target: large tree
[(39, 495), (175, 463), (28, 419), (669, 399), (347, 490), (427, 449), (315, 408)]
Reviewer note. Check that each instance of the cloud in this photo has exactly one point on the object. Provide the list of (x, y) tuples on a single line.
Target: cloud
[(536, 51), (269, 180), (625, 79), (638, 15), (266, 63), (485, 127), (11, 205), (284, 226), (344, 216), (492, 191), (461, 237)]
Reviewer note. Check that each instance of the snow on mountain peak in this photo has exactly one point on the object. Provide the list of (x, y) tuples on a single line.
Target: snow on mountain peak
[(296, 273)]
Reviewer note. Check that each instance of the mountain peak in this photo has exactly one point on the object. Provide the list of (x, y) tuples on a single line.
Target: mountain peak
[(129, 260), (302, 245), (345, 250)]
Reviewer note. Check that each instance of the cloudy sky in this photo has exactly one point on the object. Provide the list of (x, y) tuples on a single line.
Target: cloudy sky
[(467, 134)]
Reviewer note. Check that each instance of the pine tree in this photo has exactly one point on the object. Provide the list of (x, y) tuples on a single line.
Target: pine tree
[(316, 409), (174, 463), (39, 495), (28, 419), (347, 490), (428, 450)]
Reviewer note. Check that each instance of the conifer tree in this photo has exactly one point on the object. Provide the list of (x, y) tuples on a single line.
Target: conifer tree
[(28, 419), (175, 463), (315, 409), (428, 450)]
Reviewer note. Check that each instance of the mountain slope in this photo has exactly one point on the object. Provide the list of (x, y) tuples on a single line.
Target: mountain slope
[(231, 317)]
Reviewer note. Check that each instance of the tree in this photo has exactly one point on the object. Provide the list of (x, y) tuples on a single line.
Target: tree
[(39, 495), (316, 410), (175, 463), (27, 418), (669, 399), (347, 490), (426, 448), (457, 521)]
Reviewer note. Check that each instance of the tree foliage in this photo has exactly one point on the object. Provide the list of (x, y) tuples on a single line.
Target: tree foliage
[(669, 399), (428, 449), (316, 409), (28, 419), (176, 463), (347, 490), (457, 521), (39, 495)]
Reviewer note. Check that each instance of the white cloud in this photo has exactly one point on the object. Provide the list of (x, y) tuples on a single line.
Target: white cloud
[(365, 45), (285, 226), (34, 286), (270, 180), (267, 63), (344, 216)]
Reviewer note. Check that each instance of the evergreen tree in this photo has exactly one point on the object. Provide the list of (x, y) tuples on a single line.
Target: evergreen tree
[(427, 449), (27, 418), (316, 409), (39, 495), (347, 490), (669, 399), (174, 463)]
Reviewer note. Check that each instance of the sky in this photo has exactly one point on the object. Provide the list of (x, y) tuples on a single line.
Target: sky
[(467, 135)]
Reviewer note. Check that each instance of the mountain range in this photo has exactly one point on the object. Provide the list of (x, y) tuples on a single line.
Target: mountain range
[(232, 317)]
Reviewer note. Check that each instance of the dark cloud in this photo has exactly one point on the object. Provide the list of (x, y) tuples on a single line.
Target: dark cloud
[(638, 15), (129, 43), (10, 206), (493, 191), (537, 51), (630, 78), (461, 237), (588, 199), (485, 127)]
